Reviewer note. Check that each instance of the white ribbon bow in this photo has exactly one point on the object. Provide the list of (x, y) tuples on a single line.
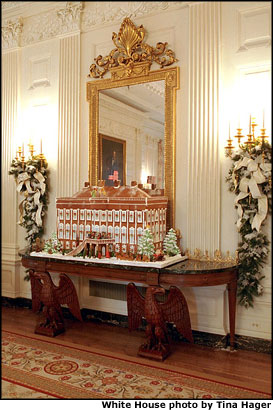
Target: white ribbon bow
[(24, 179), (250, 186)]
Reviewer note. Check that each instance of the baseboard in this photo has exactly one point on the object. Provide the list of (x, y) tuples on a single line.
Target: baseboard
[(200, 338)]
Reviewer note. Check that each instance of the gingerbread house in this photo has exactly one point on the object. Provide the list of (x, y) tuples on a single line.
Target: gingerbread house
[(121, 212)]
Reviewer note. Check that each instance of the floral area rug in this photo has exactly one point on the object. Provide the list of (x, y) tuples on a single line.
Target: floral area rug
[(38, 367)]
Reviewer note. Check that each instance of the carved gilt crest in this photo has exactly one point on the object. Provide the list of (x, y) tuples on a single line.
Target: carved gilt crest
[(132, 56)]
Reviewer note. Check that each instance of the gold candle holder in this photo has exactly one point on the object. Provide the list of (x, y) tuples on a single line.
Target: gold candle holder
[(229, 147), (263, 137), (23, 160), (239, 135), (31, 149), (19, 151), (253, 125), (250, 141), (41, 157)]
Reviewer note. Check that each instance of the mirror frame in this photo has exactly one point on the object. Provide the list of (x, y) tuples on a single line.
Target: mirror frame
[(171, 78)]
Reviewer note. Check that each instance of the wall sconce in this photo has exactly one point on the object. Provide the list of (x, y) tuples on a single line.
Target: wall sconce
[(251, 139)]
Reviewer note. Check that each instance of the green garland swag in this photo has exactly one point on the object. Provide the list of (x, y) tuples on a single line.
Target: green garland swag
[(32, 182), (250, 179)]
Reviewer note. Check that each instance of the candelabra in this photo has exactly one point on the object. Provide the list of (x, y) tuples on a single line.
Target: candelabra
[(20, 153), (251, 139)]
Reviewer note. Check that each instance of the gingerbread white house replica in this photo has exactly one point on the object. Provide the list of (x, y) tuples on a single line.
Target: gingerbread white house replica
[(121, 212)]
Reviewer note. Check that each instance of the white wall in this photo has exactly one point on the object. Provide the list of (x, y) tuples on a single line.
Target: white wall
[(238, 32)]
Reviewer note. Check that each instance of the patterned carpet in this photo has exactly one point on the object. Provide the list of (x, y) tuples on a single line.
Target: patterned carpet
[(38, 367)]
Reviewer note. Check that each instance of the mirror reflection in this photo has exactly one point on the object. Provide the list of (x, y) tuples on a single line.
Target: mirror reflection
[(131, 134)]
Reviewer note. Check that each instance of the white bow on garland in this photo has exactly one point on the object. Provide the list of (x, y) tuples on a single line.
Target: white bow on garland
[(250, 186), (31, 179), (24, 179)]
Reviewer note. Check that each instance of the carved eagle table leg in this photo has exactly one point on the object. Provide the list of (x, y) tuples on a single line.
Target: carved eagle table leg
[(156, 313), (45, 293)]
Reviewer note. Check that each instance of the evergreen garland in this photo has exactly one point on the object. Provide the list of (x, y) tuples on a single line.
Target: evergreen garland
[(32, 182), (254, 166)]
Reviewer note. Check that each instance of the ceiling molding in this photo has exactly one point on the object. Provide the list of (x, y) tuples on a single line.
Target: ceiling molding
[(108, 13), (46, 20)]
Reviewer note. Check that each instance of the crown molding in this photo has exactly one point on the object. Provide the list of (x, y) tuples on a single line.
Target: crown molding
[(41, 21), (108, 13), (11, 33)]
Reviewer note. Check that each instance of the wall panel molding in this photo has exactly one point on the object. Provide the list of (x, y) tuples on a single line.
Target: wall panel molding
[(39, 72), (68, 167), (203, 211), (254, 27)]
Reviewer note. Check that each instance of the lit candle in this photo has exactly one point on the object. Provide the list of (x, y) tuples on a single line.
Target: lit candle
[(250, 124), (229, 130), (41, 146), (263, 118)]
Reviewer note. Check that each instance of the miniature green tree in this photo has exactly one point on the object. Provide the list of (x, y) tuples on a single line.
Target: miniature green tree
[(146, 244), (170, 247)]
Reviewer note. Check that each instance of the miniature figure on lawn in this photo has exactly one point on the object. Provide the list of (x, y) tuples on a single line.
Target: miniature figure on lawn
[(53, 245), (170, 247)]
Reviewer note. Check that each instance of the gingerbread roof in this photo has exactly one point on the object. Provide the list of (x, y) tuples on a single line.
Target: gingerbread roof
[(109, 193), (112, 192)]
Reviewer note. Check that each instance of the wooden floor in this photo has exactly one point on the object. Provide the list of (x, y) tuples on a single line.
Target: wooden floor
[(241, 368)]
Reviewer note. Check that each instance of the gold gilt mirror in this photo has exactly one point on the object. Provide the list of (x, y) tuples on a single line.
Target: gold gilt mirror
[(142, 140)]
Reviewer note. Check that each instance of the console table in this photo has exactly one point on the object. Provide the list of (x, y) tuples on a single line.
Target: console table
[(188, 273)]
